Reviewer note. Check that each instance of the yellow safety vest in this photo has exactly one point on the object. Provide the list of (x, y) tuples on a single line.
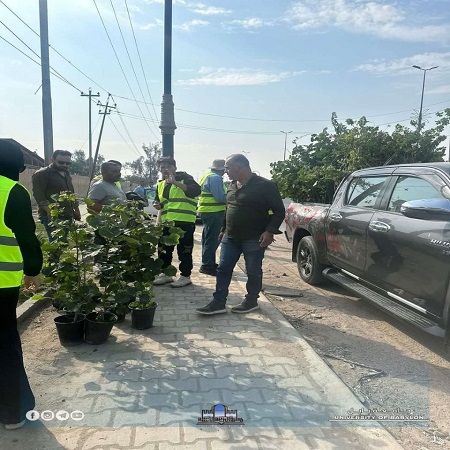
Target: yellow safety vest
[(206, 201), (177, 207), (11, 261)]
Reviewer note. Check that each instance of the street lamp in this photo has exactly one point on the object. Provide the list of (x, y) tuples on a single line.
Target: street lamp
[(419, 126), (285, 142)]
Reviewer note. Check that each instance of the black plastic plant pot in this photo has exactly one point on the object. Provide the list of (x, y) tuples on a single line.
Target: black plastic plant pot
[(70, 331), (141, 319), (98, 332)]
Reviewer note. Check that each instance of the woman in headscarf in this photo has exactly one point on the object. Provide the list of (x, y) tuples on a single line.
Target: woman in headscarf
[(20, 260)]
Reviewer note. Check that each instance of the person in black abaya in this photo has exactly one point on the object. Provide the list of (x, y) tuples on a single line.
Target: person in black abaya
[(20, 255)]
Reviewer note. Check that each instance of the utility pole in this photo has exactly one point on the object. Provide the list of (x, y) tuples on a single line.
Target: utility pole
[(167, 124), (90, 95), (419, 126), (285, 143), (46, 91), (106, 111)]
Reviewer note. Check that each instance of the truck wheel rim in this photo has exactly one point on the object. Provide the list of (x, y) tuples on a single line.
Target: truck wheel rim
[(306, 262)]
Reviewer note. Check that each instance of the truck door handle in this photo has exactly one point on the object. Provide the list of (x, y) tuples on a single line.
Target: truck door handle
[(335, 217), (379, 227)]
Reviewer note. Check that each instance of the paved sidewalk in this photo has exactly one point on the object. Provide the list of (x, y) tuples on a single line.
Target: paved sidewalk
[(147, 389)]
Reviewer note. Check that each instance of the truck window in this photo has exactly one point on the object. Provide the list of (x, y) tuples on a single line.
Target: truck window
[(411, 188), (364, 191)]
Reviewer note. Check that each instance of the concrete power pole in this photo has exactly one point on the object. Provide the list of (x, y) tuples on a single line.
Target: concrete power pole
[(90, 95), (167, 125), (106, 111), (46, 91)]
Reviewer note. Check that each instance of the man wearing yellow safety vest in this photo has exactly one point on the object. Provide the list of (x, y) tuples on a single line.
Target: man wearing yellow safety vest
[(20, 257), (175, 199), (212, 203)]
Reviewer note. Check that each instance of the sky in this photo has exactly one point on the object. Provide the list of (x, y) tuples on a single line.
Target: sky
[(246, 74)]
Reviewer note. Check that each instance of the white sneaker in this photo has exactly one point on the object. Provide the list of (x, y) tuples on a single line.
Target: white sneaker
[(14, 426), (181, 282), (162, 279)]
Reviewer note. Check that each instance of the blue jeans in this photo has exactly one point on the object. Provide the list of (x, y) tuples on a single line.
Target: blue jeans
[(45, 220), (212, 223), (229, 256)]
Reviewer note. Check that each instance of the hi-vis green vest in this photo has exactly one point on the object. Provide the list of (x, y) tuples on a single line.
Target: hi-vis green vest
[(206, 201), (177, 207), (11, 262)]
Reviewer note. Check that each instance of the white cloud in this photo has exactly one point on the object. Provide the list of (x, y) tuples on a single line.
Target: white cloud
[(235, 77), (403, 66), (188, 26), (155, 23), (249, 23), (209, 10), (362, 16)]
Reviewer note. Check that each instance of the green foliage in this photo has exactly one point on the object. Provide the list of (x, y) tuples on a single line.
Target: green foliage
[(313, 171), (128, 261), (69, 261), (145, 168), (80, 164), (88, 272)]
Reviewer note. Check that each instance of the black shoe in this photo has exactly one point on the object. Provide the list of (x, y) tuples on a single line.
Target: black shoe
[(212, 272), (211, 308), (245, 307)]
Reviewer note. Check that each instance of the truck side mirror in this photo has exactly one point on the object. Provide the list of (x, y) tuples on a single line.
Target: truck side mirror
[(428, 209)]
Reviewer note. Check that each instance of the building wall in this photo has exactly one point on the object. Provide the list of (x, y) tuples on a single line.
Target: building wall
[(80, 183)]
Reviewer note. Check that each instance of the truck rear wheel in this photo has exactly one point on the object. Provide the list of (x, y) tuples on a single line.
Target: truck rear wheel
[(308, 265)]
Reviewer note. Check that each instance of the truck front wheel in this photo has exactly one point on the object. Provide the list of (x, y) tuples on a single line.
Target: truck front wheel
[(308, 265)]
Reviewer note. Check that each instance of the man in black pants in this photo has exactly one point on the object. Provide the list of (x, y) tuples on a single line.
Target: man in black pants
[(175, 199), (20, 255)]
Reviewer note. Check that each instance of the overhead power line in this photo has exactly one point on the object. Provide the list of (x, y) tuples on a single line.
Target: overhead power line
[(121, 68), (140, 61)]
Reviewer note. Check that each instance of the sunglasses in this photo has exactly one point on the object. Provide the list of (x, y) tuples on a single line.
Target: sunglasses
[(67, 163)]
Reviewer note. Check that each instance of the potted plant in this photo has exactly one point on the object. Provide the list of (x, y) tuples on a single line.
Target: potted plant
[(68, 272), (128, 263)]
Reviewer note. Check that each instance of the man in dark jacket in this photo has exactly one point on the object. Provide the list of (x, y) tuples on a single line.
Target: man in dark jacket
[(254, 213), (20, 255), (49, 182), (175, 198)]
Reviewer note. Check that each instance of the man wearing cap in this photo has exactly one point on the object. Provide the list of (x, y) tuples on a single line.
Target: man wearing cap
[(49, 182), (20, 257), (175, 199), (211, 207)]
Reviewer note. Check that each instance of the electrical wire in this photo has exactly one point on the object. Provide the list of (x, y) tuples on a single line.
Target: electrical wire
[(120, 134), (140, 61), (129, 59), (187, 110), (121, 68)]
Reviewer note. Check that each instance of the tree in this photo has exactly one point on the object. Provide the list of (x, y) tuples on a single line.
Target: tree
[(80, 164), (313, 171), (145, 167)]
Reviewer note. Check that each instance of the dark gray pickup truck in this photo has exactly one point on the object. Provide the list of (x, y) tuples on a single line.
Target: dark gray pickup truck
[(386, 238)]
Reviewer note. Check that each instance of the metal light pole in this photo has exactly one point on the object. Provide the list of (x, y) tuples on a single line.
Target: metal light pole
[(285, 142), (419, 126), (167, 124)]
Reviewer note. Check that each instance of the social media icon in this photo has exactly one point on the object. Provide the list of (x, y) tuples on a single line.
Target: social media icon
[(47, 415), (62, 415), (32, 415), (77, 415)]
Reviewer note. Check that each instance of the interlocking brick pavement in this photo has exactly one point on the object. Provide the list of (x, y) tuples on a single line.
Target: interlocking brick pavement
[(146, 389)]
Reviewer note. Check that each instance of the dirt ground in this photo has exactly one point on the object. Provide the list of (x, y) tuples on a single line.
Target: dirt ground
[(388, 365)]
